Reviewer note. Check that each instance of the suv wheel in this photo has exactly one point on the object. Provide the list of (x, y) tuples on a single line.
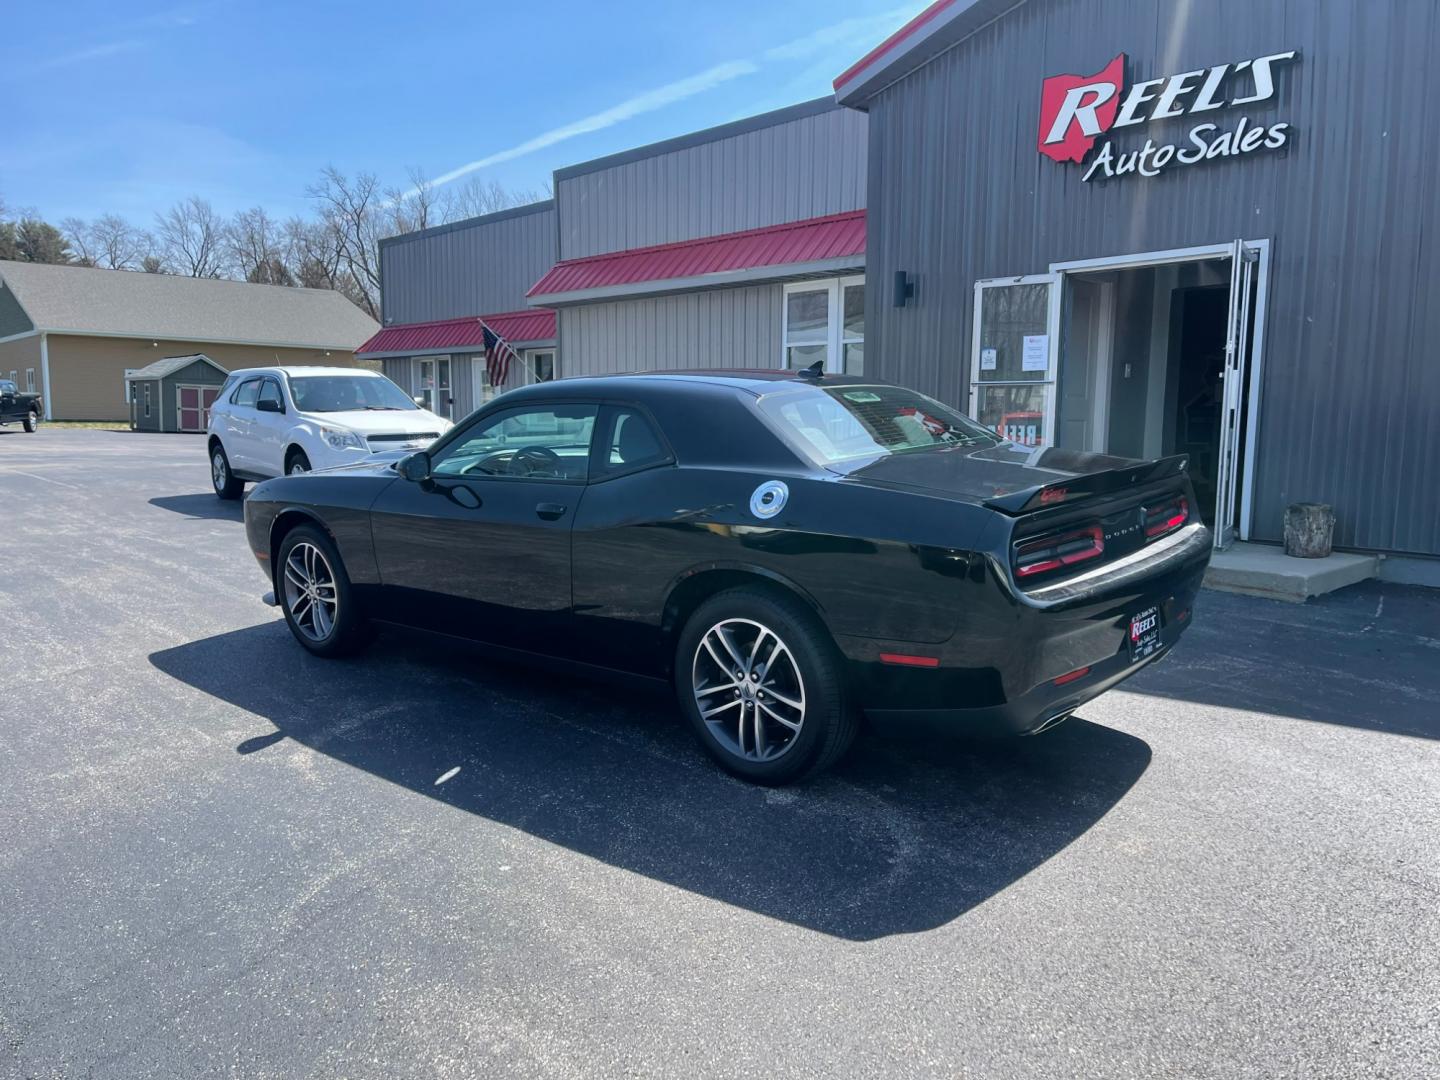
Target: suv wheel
[(32, 421), (764, 687), (316, 596), (296, 462), (227, 486)]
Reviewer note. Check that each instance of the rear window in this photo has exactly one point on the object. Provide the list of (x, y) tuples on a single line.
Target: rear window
[(843, 423)]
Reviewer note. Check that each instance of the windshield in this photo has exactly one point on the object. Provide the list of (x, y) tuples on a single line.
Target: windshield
[(344, 393), (842, 423)]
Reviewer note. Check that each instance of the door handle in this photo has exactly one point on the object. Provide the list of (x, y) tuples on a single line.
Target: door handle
[(550, 511)]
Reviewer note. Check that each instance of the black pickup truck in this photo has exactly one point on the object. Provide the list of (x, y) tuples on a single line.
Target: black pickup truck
[(27, 409)]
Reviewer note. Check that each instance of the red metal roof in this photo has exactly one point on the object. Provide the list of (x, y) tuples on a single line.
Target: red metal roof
[(906, 31), (813, 240), (535, 324)]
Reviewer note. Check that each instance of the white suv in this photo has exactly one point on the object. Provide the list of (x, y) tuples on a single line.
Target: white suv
[(281, 420)]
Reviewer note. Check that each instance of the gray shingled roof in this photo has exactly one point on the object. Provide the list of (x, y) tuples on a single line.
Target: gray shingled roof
[(160, 368), (126, 303)]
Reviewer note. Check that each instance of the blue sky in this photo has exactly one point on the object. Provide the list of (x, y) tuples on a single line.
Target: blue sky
[(130, 107)]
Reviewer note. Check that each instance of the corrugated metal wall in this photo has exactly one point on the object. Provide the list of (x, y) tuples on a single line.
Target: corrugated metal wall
[(720, 328), (479, 268), (799, 169), (1350, 407)]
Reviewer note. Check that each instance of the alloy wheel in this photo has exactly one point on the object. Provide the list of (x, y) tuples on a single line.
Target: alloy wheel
[(748, 689), (310, 593), (218, 470), (296, 468)]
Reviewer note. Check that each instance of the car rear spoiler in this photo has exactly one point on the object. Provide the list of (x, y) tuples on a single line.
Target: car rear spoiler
[(1088, 485)]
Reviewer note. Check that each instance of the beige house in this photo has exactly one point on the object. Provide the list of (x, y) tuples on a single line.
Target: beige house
[(71, 333)]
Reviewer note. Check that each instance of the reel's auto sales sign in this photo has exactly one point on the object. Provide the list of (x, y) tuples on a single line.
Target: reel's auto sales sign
[(1076, 111)]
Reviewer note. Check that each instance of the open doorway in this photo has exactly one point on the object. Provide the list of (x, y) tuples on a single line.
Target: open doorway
[(1152, 363)]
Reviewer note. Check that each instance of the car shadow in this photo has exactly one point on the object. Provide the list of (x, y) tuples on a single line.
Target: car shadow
[(202, 506), (908, 833)]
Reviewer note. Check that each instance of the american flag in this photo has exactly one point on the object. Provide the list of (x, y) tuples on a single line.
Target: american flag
[(498, 355)]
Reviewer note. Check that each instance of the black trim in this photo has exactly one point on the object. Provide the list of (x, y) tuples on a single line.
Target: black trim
[(470, 223), (699, 138)]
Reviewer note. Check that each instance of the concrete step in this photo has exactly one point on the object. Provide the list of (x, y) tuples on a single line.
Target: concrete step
[(1263, 570)]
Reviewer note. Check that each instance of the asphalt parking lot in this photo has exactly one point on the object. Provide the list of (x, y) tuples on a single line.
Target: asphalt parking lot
[(224, 857)]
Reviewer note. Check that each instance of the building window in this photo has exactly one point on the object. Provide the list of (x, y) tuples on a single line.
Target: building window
[(540, 365), (147, 399), (30, 380), (825, 322)]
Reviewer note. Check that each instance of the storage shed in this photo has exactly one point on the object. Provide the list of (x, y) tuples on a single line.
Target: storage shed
[(174, 394)]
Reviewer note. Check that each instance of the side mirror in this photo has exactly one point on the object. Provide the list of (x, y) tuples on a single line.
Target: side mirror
[(419, 400), (414, 468), (269, 405)]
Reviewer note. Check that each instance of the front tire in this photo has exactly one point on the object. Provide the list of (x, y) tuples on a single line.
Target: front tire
[(316, 596), (296, 462), (764, 687), (32, 421), (227, 485)]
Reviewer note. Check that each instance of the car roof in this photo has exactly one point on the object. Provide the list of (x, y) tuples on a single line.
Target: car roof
[(302, 369)]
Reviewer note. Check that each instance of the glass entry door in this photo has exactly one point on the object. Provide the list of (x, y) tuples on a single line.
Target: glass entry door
[(435, 385), (1012, 376), (1243, 260)]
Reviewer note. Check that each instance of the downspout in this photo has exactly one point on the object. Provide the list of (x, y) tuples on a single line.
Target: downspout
[(45, 373)]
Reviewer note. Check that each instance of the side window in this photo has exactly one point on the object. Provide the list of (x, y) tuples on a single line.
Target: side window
[(248, 392), (633, 444), (270, 391), (550, 442)]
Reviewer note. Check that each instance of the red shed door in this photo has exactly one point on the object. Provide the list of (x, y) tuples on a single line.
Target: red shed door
[(189, 408), (207, 398)]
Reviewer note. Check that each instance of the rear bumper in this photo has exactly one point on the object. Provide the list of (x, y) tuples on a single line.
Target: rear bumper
[(998, 674)]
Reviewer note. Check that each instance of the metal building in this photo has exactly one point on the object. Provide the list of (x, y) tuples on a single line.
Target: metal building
[(739, 246), (1157, 228), (441, 286)]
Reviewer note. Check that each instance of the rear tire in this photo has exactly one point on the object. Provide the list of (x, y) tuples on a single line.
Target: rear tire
[(316, 596), (787, 715), (32, 421), (296, 462), (226, 484)]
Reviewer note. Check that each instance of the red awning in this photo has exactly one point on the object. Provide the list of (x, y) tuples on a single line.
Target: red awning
[(836, 238), (462, 335)]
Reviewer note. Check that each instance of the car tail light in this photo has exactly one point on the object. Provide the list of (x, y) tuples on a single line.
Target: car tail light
[(1165, 517), (1059, 549)]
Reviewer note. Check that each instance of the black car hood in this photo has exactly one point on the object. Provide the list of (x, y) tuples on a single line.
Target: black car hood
[(977, 474)]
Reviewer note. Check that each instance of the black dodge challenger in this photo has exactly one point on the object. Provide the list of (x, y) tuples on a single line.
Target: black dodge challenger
[(790, 550)]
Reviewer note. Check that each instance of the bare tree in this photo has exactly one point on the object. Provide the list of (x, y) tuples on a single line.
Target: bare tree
[(256, 243), (192, 239), (109, 241), (477, 197), (77, 232), (351, 210)]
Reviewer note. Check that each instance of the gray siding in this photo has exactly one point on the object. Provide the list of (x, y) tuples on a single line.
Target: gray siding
[(13, 319), (720, 328), (481, 267), (802, 168), (1350, 405)]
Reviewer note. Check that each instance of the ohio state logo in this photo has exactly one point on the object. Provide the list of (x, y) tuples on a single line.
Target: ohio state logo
[(1076, 111)]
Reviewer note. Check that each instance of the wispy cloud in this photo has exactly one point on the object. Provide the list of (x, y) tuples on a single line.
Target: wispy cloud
[(864, 29), (846, 33), (84, 56), (649, 101)]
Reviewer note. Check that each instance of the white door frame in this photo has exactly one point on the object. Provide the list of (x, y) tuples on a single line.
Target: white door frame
[(1257, 342), (1052, 330), (440, 406)]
